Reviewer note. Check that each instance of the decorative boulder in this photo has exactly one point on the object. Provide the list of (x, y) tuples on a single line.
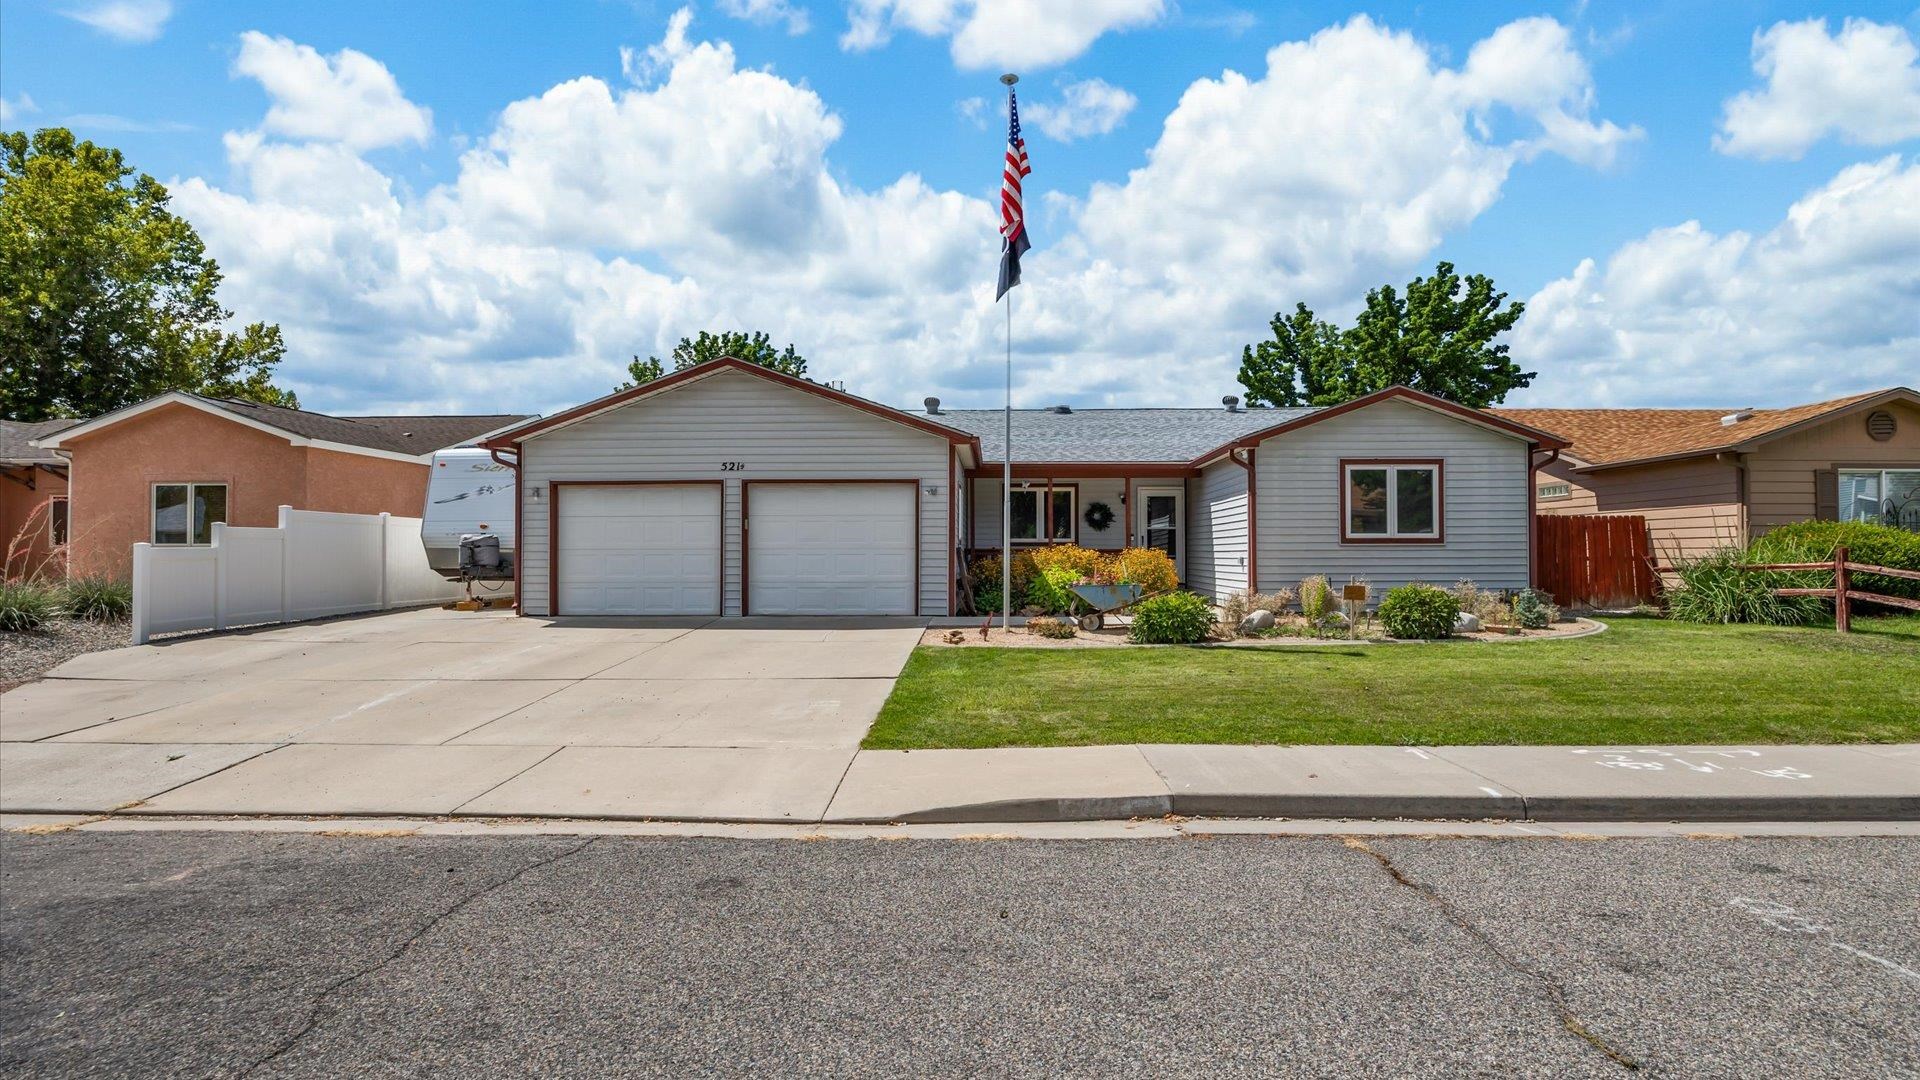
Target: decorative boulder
[(1255, 621), (1466, 623)]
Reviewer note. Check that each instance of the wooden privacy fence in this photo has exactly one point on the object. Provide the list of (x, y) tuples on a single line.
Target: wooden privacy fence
[(1843, 592), (1594, 560)]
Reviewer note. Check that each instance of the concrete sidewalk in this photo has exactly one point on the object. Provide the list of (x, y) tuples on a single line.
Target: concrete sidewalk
[(1707, 783)]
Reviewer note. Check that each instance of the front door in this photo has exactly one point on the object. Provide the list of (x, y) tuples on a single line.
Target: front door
[(1160, 522)]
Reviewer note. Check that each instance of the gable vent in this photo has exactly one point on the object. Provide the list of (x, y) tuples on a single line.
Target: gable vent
[(1881, 426), (1733, 418)]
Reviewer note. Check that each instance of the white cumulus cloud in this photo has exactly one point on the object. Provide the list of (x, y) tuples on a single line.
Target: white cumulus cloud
[(349, 97), (1086, 108), (768, 12), (12, 112), (1862, 85), (136, 21), (998, 33), (1820, 304)]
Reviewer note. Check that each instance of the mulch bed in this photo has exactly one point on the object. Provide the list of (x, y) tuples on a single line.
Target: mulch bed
[(1115, 635), (26, 655)]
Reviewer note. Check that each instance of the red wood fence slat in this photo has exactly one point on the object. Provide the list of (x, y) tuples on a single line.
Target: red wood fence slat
[(1594, 560)]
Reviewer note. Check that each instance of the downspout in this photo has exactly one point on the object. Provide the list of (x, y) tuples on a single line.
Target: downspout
[(1253, 518), (519, 535), (1533, 508)]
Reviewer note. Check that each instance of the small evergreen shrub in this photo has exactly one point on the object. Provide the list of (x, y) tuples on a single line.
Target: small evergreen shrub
[(1048, 627), (1179, 618), (1418, 611), (28, 605), (97, 597), (1534, 609), (1718, 588)]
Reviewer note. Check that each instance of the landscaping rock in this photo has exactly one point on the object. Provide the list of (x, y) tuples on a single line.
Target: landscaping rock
[(1466, 623), (1257, 621)]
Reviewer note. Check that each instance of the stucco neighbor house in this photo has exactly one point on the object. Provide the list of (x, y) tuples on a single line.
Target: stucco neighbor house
[(1710, 478), (33, 497), (165, 470), (728, 489)]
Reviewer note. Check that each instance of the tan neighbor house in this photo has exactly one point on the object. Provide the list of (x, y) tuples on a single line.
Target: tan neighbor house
[(165, 470), (1710, 478), (33, 497)]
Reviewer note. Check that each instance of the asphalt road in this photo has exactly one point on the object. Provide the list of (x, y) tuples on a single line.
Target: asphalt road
[(194, 954)]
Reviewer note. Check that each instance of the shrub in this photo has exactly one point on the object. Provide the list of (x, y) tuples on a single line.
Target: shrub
[(1880, 545), (1418, 611), (986, 580), (1052, 628), (1245, 602), (28, 605), (1084, 562), (987, 601), (1149, 568), (97, 597), (1178, 618), (1534, 609), (1487, 606), (1051, 591), (1316, 600), (1716, 588)]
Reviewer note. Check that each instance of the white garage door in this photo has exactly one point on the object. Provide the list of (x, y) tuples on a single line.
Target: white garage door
[(640, 550), (831, 549)]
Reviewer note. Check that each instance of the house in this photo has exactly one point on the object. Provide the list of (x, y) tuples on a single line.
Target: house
[(729, 489), (165, 470), (33, 497), (1710, 478)]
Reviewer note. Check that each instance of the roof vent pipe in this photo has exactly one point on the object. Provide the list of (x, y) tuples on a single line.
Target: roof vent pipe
[(1733, 418), (1232, 403), (933, 406)]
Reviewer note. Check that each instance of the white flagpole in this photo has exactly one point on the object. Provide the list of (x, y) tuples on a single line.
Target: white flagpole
[(1006, 464)]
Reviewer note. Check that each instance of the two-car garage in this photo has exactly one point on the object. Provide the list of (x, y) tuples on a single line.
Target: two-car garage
[(729, 490)]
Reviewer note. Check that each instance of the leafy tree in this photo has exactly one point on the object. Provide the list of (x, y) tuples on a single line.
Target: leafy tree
[(107, 298), (1439, 339), (756, 348)]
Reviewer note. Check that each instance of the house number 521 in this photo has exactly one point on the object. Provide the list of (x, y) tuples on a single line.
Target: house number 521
[(733, 466)]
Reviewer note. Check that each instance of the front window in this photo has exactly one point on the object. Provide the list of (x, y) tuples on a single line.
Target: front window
[(1030, 522), (186, 513), (1882, 496), (1391, 501)]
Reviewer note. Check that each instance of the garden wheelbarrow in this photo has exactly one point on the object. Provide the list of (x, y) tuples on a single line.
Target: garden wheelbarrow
[(1106, 600)]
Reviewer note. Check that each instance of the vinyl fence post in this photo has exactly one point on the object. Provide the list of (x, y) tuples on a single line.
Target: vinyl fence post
[(219, 576), (142, 584), (386, 573), (285, 529), (1842, 620)]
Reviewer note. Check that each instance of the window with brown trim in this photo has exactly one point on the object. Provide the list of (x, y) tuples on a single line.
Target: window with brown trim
[(1028, 508), (1391, 501)]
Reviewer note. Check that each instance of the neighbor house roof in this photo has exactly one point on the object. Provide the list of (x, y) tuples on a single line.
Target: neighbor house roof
[(16, 441), (379, 436), (1112, 435), (1612, 437)]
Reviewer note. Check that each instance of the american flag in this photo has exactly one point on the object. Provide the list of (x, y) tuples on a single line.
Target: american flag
[(1013, 218)]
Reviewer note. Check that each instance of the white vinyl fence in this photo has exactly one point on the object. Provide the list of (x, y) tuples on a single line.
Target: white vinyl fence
[(312, 565)]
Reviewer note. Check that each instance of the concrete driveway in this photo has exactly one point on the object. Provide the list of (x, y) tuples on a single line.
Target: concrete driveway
[(433, 712)]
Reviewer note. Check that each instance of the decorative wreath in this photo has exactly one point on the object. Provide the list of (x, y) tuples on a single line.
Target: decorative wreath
[(1098, 516)]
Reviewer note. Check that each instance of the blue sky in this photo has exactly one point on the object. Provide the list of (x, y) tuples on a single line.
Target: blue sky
[(364, 174)]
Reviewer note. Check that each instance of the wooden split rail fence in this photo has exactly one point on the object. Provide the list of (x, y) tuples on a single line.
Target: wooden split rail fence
[(1842, 592)]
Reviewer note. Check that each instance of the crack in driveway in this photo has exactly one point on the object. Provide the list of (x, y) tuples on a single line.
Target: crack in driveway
[(405, 946), (1555, 994)]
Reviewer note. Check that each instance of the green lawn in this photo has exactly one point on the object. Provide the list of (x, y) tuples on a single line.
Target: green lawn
[(1643, 681)]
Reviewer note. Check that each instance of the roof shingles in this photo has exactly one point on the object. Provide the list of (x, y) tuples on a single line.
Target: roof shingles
[(1111, 435), (1615, 436)]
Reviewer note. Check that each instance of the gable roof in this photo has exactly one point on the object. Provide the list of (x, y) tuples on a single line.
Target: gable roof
[(1111, 435), (1605, 438), (406, 437), (16, 438), (1538, 437), (506, 440)]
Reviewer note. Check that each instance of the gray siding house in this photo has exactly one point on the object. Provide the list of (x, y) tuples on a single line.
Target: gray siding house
[(728, 489)]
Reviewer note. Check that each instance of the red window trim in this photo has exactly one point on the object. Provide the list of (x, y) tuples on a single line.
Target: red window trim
[(1439, 467)]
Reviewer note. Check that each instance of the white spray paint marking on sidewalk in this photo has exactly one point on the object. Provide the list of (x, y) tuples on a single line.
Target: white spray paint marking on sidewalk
[(1642, 759), (1419, 753), (1786, 919)]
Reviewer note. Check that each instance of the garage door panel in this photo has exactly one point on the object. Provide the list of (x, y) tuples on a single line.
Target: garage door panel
[(832, 549), (640, 550)]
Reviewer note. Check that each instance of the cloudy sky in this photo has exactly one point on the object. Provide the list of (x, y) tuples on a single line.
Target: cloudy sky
[(494, 206)]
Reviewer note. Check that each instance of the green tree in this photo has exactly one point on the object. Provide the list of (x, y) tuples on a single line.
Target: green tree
[(107, 298), (756, 348), (1438, 338)]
